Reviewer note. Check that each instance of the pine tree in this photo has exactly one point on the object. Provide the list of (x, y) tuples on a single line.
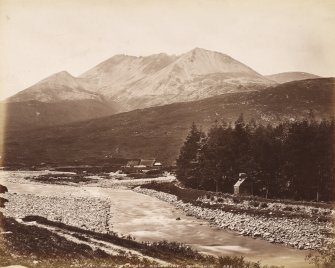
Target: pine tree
[(188, 160)]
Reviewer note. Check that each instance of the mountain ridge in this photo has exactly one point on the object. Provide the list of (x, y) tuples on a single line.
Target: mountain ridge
[(151, 80)]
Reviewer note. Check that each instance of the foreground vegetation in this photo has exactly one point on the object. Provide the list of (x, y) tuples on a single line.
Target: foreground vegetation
[(292, 160)]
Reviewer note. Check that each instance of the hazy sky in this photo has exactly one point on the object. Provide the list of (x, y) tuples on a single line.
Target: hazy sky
[(39, 38)]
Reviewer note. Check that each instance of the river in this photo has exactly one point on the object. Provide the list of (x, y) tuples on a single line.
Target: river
[(149, 219)]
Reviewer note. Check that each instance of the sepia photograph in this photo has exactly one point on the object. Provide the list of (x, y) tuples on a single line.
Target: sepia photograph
[(167, 133)]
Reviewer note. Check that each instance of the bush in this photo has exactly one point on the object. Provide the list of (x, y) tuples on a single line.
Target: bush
[(2, 202), (264, 205)]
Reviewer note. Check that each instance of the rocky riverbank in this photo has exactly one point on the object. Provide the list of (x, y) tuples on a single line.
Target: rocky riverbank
[(84, 212), (299, 233), (107, 181)]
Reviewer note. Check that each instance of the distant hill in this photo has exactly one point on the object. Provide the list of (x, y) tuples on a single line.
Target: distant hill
[(291, 76), (158, 132)]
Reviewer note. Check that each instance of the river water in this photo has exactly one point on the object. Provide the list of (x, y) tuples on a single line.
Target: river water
[(149, 219)]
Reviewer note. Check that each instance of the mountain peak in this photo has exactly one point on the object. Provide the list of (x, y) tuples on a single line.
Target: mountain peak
[(61, 74), (199, 51), (199, 61)]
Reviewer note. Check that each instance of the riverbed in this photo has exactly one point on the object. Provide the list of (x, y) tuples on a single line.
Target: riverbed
[(149, 219)]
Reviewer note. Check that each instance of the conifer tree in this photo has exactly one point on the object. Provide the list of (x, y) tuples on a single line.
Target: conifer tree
[(187, 162)]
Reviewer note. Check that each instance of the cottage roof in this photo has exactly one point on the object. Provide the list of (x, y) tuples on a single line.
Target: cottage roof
[(140, 166), (147, 162), (239, 182), (133, 162)]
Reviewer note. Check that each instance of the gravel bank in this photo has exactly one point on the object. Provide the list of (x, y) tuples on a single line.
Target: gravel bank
[(295, 232), (85, 212)]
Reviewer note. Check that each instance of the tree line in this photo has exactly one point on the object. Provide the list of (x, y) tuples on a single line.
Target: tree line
[(291, 160)]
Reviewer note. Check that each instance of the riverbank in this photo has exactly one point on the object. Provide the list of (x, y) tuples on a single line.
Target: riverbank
[(150, 219), (84, 212), (296, 232)]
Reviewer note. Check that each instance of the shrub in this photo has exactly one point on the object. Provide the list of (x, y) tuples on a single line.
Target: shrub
[(264, 205)]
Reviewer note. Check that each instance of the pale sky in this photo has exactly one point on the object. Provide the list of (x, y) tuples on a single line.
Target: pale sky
[(42, 37)]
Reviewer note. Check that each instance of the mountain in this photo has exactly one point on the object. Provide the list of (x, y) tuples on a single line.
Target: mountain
[(158, 132), (291, 76), (139, 82), (124, 83), (57, 99)]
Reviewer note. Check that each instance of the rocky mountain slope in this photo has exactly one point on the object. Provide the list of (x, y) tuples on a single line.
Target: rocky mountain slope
[(158, 132), (291, 76), (139, 82)]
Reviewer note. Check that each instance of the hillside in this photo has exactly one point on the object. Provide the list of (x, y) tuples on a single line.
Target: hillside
[(35, 114), (159, 131), (290, 76)]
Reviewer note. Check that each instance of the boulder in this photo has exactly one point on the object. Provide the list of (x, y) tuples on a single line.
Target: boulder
[(3, 189)]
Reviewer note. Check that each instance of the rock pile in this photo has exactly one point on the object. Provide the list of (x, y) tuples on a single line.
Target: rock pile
[(83, 212), (295, 232)]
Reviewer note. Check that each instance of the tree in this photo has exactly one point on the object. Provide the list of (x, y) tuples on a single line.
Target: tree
[(216, 159), (291, 160), (187, 162)]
